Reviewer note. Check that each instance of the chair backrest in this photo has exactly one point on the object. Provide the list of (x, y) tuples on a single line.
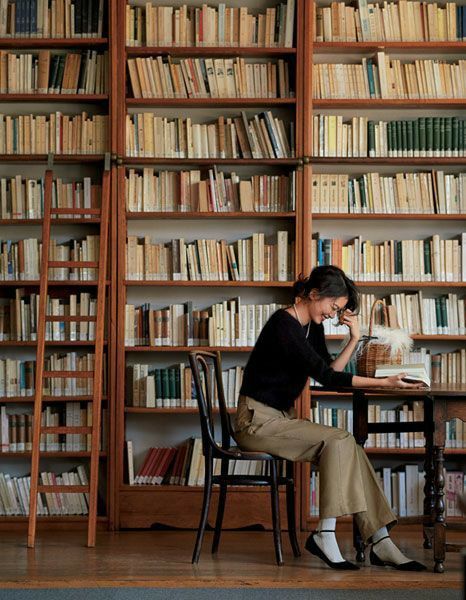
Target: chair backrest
[(209, 364)]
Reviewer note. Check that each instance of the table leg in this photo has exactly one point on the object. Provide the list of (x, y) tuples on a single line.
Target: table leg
[(439, 510), (429, 489)]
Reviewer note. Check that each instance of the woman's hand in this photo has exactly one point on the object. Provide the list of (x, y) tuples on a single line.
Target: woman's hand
[(347, 318), (396, 381)]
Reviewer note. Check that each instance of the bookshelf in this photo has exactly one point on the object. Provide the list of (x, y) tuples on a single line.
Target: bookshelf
[(143, 505), (402, 224), (73, 171)]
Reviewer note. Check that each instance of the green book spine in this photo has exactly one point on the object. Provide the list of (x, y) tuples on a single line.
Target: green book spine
[(436, 136), (178, 384), (404, 138), (454, 136), (422, 136), (165, 388), (416, 140), (438, 315), (362, 191), (409, 135), (389, 139), (427, 261), (448, 136), (399, 138), (158, 388), (399, 261), (371, 138), (442, 135), (462, 140), (172, 387), (429, 136), (443, 313), (334, 417)]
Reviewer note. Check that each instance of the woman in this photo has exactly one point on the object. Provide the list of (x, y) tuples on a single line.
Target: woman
[(290, 348)]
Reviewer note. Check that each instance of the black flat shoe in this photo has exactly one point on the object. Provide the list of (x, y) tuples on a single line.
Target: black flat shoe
[(314, 549), (412, 565)]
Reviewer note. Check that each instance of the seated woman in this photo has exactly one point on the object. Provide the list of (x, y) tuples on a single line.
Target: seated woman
[(290, 348)]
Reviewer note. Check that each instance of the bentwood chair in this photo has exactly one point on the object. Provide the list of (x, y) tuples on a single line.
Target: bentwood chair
[(209, 364)]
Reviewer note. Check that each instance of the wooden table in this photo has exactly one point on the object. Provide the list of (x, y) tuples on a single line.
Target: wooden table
[(442, 402)]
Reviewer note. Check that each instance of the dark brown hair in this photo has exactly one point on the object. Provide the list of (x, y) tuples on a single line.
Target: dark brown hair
[(330, 282)]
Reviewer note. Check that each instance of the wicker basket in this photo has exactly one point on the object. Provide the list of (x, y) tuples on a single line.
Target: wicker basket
[(373, 354)]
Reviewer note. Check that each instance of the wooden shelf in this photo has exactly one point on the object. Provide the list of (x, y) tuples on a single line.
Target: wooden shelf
[(51, 42), (208, 215), (131, 160), (389, 103), (30, 399), (170, 411), (436, 47), (191, 488), (231, 284), (421, 451), (52, 283), (33, 97), (51, 519), (60, 221), (205, 102), (19, 344), (50, 454), (57, 158), (387, 217), (414, 336), (405, 161), (186, 348), (423, 284), (207, 51)]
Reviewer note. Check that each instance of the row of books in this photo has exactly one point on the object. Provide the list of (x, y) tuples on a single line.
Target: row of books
[(52, 18), (433, 192), (431, 259), (45, 72), (185, 191), (401, 21), (220, 25), (263, 136), (55, 133), (21, 260), (14, 494), (250, 259), (160, 77), (404, 490), (228, 323), (182, 465), (360, 137), (17, 377), (23, 197), (173, 387), (390, 78), (19, 318), (16, 429)]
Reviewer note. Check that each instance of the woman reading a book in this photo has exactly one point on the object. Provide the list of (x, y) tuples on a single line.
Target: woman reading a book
[(290, 348)]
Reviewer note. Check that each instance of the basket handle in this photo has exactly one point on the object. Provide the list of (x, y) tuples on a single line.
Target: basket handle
[(385, 314)]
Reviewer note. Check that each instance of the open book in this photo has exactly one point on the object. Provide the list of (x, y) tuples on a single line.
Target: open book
[(415, 373)]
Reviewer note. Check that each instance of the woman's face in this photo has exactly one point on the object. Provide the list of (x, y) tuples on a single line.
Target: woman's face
[(322, 307)]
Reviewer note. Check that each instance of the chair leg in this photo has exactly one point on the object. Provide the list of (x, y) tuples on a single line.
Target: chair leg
[(277, 537), (205, 508), (290, 512), (358, 544), (219, 520)]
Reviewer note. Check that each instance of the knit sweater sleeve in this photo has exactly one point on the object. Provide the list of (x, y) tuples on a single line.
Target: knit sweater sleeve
[(292, 339)]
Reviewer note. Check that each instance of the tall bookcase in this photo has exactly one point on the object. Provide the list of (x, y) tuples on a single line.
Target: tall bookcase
[(143, 506), (70, 168)]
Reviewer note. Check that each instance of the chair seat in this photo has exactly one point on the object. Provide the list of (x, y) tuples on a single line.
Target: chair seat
[(238, 454)]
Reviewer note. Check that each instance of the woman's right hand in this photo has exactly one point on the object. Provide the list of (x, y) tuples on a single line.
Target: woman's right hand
[(396, 381)]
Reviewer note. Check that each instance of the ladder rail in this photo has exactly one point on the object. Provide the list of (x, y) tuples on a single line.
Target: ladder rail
[(40, 353), (98, 360)]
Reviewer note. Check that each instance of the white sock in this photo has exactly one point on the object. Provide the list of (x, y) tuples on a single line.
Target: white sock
[(386, 550), (327, 541)]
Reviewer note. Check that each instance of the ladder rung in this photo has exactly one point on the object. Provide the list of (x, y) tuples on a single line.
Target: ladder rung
[(66, 429), (78, 264), (55, 318), (70, 489), (75, 211), (63, 374)]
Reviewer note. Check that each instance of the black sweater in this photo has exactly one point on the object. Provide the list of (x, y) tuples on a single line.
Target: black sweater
[(283, 359)]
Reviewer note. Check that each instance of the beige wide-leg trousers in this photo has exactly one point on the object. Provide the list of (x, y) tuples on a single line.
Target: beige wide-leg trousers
[(348, 483)]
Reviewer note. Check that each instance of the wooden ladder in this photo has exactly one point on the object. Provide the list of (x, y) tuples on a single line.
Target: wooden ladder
[(96, 374)]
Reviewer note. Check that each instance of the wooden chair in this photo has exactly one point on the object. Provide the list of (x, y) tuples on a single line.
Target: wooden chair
[(209, 363)]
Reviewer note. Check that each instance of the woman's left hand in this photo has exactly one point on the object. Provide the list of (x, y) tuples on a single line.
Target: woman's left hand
[(352, 322)]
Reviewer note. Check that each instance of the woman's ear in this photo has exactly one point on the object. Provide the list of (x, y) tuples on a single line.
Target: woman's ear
[(314, 294)]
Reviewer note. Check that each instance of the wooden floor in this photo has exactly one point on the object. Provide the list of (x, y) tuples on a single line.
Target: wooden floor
[(163, 559)]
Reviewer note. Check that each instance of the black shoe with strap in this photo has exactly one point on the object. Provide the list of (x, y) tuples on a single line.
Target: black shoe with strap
[(411, 565), (314, 549)]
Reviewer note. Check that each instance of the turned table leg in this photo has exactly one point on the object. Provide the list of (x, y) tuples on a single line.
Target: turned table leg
[(439, 510), (360, 415)]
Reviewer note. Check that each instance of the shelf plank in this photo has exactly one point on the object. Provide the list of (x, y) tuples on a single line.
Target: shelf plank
[(57, 158), (170, 411), (52, 454), (207, 51), (33, 97), (209, 215), (414, 336), (22, 42), (389, 103), (145, 283), (16, 344), (131, 160), (51, 283), (367, 161), (186, 348), (445, 47), (388, 217), (30, 399), (59, 221), (205, 102)]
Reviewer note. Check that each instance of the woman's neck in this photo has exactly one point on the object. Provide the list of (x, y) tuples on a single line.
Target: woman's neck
[(300, 313)]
